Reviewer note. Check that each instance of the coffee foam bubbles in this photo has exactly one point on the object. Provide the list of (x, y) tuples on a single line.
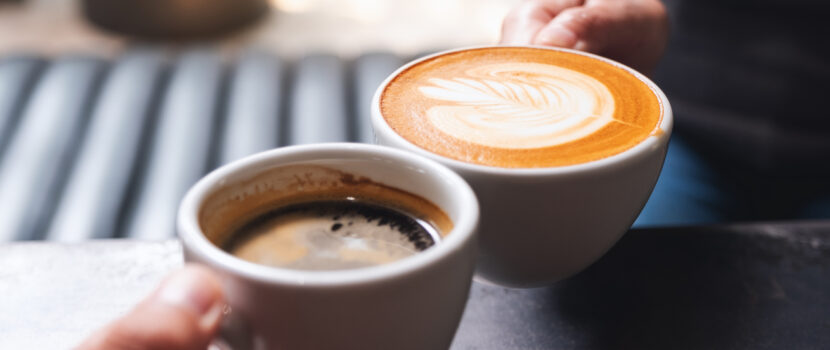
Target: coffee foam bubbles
[(519, 105)]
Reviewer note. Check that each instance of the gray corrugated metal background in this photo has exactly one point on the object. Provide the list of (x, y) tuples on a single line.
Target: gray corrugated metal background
[(98, 149)]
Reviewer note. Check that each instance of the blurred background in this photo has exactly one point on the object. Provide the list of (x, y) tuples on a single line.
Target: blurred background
[(111, 110), (289, 27)]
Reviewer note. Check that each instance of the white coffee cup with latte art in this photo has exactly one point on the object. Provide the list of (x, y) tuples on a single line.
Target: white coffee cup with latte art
[(561, 147)]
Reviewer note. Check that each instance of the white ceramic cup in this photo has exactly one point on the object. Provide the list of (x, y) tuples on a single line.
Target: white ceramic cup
[(540, 225), (412, 303)]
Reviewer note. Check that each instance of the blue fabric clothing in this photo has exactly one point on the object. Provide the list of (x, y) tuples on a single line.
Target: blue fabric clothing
[(693, 189), (748, 83)]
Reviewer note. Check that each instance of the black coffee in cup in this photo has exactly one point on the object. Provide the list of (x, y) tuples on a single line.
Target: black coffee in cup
[(331, 235), (308, 217)]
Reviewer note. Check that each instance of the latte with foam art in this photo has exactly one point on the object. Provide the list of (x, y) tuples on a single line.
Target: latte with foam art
[(520, 107)]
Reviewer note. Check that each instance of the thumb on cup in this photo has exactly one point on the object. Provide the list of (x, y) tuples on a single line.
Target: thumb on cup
[(183, 313)]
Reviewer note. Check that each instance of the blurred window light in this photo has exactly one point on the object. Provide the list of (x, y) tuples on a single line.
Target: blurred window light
[(364, 10)]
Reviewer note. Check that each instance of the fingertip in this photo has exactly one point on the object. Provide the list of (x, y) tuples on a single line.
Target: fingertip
[(556, 35), (523, 22), (197, 290)]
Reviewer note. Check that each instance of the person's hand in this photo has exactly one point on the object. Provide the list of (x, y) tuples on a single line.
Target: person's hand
[(633, 32), (183, 313)]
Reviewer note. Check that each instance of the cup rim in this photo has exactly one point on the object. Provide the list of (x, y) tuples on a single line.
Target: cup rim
[(194, 240), (650, 144)]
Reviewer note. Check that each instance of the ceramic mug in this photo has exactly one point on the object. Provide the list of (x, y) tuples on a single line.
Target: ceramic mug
[(412, 303), (540, 225)]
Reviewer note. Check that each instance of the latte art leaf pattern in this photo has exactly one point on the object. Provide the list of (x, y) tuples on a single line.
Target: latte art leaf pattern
[(519, 106)]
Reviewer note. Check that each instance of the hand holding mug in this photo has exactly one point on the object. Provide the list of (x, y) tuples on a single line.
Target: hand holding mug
[(308, 249), (561, 147), (633, 32), (371, 247)]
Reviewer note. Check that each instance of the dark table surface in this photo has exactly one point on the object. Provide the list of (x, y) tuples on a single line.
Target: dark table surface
[(744, 286)]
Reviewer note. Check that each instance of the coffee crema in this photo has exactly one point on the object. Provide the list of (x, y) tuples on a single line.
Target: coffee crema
[(310, 217), (518, 107)]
